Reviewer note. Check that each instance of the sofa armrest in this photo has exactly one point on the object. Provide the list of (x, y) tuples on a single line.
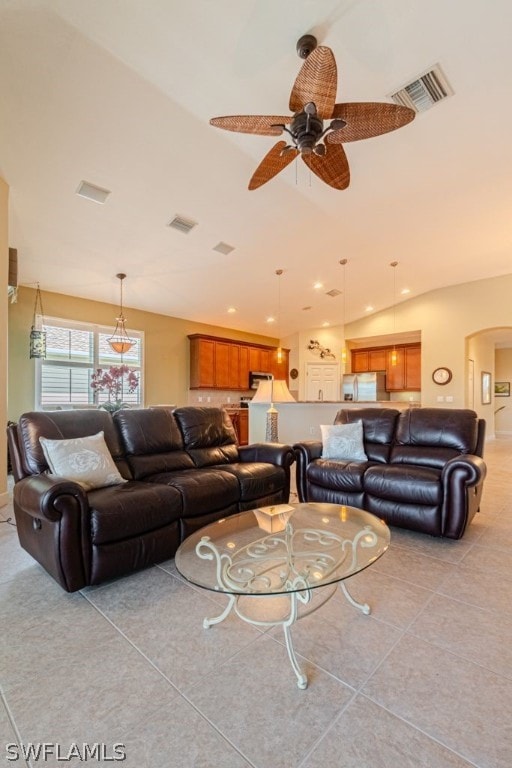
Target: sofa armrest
[(462, 479), (51, 514), (269, 453), (305, 453), (38, 496)]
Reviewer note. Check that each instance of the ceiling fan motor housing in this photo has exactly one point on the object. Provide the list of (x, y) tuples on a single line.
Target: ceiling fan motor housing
[(306, 129), (305, 45)]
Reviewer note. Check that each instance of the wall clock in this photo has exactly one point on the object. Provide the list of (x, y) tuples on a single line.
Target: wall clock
[(442, 375)]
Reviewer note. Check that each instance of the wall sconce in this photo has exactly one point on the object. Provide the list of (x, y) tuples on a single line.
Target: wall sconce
[(37, 335)]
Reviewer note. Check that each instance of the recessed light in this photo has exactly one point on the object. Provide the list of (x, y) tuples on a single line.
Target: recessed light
[(271, 319), (404, 291), (317, 286), (369, 308), (231, 310), (325, 325)]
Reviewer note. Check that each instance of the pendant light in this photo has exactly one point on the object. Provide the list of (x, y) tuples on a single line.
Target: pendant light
[(394, 354), (120, 342), (343, 263), (38, 336), (279, 272)]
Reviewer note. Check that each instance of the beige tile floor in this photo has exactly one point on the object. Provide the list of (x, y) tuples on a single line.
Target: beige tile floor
[(424, 682)]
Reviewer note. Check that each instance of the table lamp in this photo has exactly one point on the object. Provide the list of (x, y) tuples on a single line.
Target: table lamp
[(272, 391)]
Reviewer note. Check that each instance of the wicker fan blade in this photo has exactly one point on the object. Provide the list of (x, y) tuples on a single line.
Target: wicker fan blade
[(331, 167), (272, 163), (367, 119), (260, 124), (316, 82)]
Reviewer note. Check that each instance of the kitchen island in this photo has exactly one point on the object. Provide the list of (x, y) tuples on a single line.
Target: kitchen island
[(301, 420)]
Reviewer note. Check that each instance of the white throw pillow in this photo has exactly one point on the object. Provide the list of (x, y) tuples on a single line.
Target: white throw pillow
[(343, 441), (86, 460)]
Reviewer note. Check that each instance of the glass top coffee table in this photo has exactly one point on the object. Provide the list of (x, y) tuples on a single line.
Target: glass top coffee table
[(289, 550)]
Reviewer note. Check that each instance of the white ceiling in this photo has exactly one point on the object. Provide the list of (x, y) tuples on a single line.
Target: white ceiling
[(120, 94)]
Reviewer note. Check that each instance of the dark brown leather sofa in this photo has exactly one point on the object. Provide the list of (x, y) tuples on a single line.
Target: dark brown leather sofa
[(424, 470), (184, 469)]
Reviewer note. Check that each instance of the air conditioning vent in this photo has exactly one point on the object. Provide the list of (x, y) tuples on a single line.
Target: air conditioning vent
[(425, 91), (92, 192), (12, 281), (224, 248), (333, 292), (182, 224)]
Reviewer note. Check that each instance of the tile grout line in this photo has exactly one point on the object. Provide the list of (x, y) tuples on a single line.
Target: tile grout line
[(173, 685), (12, 723)]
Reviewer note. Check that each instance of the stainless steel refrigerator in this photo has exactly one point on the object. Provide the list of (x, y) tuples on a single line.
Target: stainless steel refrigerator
[(364, 387)]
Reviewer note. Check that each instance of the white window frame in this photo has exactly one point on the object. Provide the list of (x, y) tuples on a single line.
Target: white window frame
[(95, 329)]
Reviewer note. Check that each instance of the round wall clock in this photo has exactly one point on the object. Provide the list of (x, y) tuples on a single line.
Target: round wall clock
[(442, 375)]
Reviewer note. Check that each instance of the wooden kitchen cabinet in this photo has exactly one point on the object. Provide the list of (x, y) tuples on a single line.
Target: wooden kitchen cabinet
[(360, 361), (413, 368), (402, 377), (405, 376), (202, 363), (217, 363), (243, 422)]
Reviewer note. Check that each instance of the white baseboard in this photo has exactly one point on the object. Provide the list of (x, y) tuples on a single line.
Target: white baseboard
[(503, 433)]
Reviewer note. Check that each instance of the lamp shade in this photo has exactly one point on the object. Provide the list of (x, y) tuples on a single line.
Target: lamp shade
[(273, 391)]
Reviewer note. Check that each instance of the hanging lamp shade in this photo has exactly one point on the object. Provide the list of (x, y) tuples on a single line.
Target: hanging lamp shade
[(120, 342), (37, 335)]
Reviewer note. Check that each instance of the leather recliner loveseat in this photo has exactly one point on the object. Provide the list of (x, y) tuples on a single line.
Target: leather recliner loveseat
[(424, 469), (184, 470)]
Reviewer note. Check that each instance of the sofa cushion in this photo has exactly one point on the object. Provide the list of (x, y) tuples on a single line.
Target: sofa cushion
[(338, 475), (124, 511), (404, 483), (208, 435), (85, 460), (256, 480), (343, 442), (152, 441), (202, 490), (62, 425), (432, 436), (378, 429)]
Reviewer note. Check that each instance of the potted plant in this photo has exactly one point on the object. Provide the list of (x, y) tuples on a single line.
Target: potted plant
[(116, 381)]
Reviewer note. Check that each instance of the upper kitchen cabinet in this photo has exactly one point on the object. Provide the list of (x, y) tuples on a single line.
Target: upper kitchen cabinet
[(405, 376), (217, 363)]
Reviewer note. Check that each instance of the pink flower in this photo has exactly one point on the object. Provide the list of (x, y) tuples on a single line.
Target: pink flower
[(115, 381)]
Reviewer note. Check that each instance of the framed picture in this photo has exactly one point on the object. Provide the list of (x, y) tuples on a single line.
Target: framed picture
[(486, 387), (502, 388)]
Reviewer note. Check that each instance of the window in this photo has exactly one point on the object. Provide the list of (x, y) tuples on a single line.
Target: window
[(74, 351)]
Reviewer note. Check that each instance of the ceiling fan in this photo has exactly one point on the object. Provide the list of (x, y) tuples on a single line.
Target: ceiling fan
[(312, 100)]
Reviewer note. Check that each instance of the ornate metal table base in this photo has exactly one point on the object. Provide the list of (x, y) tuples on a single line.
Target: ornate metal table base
[(277, 565)]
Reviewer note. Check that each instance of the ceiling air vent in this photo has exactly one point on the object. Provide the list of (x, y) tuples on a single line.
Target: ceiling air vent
[(92, 192), (182, 224), (224, 248), (333, 292), (425, 91)]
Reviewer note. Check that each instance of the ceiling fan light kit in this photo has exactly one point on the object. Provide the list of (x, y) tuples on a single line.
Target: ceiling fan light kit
[(312, 101)]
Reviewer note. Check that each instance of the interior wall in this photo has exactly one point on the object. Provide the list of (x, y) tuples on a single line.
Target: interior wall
[(481, 350), (166, 346), (445, 318), (503, 405), (4, 268), (329, 338)]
